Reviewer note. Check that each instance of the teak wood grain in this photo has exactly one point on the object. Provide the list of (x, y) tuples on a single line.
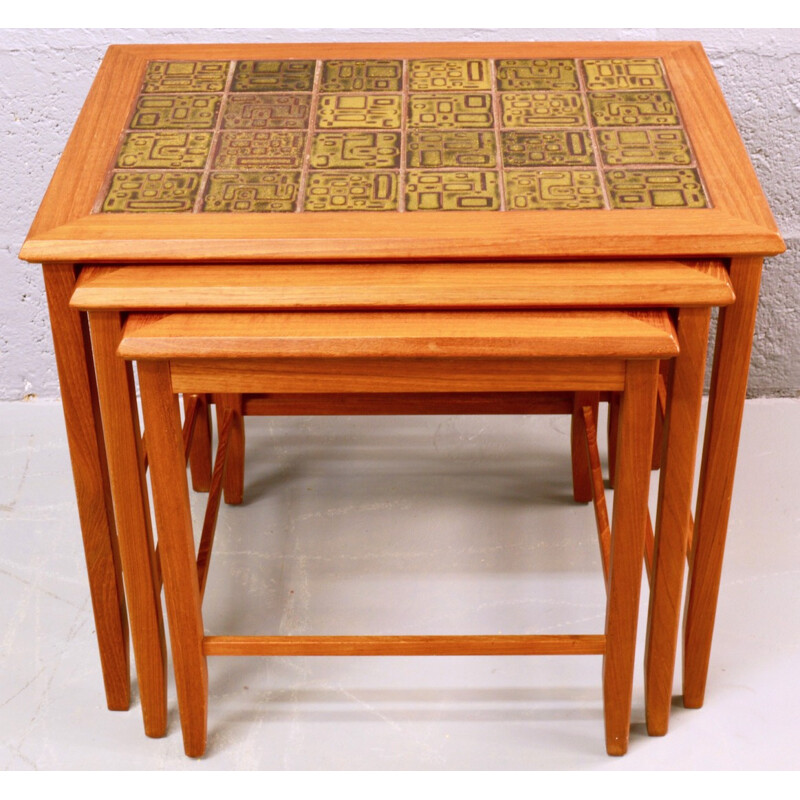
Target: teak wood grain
[(738, 223), (410, 334), (79, 401), (493, 284)]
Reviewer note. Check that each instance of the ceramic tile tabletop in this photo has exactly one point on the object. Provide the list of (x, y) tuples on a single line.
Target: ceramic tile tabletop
[(432, 134)]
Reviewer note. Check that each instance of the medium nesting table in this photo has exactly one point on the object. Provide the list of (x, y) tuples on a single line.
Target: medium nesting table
[(343, 177)]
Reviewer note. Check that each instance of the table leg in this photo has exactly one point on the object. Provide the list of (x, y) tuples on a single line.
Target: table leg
[(126, 468), (200, 450), (629, 517), (90, 473), (723, 424), (679, 437), (174, 519)]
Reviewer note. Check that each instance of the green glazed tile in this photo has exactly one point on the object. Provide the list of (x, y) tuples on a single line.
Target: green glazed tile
[(274, 76), (452, 110), (252, 192), (638, 74), (359, 111), (164, 150), (377, 75), (464, 149), (259, 111), (542, 110), (631, 109), (525, 74), (351, 191), (547, 149), (551, 189), (356, 150), (449, 74), (261, 150), (152, 192), (189, 112), (644, 146), (185, 76), (662, 188), (452, 191)]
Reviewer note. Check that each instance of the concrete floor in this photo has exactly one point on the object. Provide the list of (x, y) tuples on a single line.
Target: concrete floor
[(399, 525)]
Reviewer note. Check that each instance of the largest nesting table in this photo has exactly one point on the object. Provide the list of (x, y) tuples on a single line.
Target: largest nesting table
[(397, 176)]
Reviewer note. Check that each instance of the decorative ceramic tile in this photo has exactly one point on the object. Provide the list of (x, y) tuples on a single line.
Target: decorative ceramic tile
[(404, 135), (542, 110), (449, 74), (525, 74), (644, 146), (351, 191), (164, 150), (547, 149), (258, 111), (356, 150), (623, 73), (258, 192), (633, 109), (384, 75), (187, 112), (274, 76), (360, 111), (663, 188), (450, 110), (185, 76), (261, 150), (152, 191), (463, 149), (547, 190), (452, 191)]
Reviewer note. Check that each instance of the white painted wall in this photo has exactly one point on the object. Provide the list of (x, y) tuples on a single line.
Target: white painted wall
[(45, 76)]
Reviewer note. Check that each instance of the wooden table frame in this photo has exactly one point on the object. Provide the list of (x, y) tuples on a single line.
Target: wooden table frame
[(66, 236)]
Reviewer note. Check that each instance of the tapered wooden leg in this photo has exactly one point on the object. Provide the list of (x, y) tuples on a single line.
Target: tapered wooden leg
[(233, 482), (92, 488), (176, 545), (634, 450), (684, 395), (723, 424), (581, 469), (126, 468), (200, 451)]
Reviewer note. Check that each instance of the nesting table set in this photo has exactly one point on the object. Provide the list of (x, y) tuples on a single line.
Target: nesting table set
[(401, 228)]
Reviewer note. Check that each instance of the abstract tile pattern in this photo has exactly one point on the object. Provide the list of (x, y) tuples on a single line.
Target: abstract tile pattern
[(553, 189), (428, 190), (182, 112), (531, 74), (451, 110), (360, 111), (547, 149), (351, 191), (152, 191), (440, 74), (377, 75), (258, 192), (355, 150), (673, 188), (623, 73), (257, 111), (409, 135), (462, 149), (185, 76)]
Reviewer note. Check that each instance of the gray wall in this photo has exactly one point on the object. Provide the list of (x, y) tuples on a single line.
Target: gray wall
[(46, 75)]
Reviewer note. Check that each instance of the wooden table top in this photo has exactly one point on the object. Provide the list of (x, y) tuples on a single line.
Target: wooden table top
[(403, 151)]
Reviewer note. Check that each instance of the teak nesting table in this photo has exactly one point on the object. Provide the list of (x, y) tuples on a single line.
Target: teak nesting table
[(398, 177)]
